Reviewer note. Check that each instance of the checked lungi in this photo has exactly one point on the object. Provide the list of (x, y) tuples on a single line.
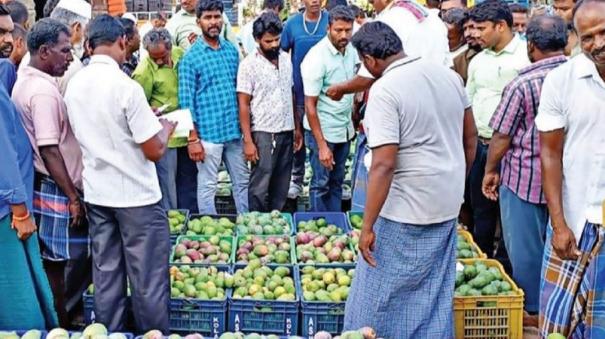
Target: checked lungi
[(410, 293), (51, 211), (572, 300)]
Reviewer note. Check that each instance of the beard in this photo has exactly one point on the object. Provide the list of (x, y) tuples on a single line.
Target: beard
[(5, 50), (271, 54)]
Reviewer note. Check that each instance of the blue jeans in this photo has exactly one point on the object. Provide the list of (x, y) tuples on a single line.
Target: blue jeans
[(232, 154), (524, 232), (325, 192), (360, 175), (166, 169)]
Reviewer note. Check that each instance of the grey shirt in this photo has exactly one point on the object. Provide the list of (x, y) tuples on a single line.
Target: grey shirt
[(419, 106)]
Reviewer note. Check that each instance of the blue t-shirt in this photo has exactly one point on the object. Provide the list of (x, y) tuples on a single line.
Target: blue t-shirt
[(8, 74), (298, 42)]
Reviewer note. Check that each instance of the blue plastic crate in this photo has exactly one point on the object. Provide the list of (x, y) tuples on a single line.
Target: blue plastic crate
[(89, 309), (319, 316), (265, 316), (336, 218), (225, 205), (207, 317), (284, 215), (230, 238), (232, 217)]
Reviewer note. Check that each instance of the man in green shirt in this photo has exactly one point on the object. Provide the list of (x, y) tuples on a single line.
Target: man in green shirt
[(157, 74), (328, 125)]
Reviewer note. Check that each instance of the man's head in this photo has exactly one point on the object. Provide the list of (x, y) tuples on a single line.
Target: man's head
[(340, 27), (276, 6), (493, 22), (189, 6), (210, 18), (360, 15), (106, 37), (546, 36), (312, 6), (454, 20), (470, 35), (49, 46), (520, 17), (378, 46), (589, 22), (564, 9), (133, 39), (75, 14), (19, 13), (19, 44), (379, 5), (159, 20), (449, 4), (159, 46), (267, 32), (6, 32)]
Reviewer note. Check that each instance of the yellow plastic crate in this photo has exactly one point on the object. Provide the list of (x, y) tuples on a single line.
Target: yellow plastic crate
[(489, 317), (471, 241)]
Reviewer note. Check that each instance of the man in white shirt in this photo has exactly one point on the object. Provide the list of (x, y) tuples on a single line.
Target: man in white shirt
[(120, 138), (247, 43), (571, 121)]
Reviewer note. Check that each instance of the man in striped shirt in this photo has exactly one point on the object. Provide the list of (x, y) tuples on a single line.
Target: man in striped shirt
[(515, 148)]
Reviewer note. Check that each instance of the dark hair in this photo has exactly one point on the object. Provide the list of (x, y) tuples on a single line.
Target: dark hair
[(104, 30), (456, 16), (334, 3), (547, 32), (493, 11), (268, 22), (49, 6), (209, 5), (579, 4), (378, 40), (129, 27), (357, 12), (518, 8), (45, 32), (19, 31), (18, 11), (157, 36), (342, 13), (4, 10), (279, 4)]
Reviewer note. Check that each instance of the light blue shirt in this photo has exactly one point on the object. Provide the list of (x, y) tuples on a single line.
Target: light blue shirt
[(323, 67)]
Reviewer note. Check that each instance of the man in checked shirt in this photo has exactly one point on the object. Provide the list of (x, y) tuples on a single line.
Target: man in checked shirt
[(512, 172)]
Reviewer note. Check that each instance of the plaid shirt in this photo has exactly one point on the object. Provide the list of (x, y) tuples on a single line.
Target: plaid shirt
[(514, 117), (207, 87)]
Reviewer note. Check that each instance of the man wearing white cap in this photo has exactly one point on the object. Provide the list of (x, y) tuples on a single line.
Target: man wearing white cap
[(75, 14)]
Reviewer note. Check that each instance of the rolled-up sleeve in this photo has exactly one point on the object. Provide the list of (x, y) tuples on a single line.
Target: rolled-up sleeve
[(551, 114), (12, 188), (187, 83)]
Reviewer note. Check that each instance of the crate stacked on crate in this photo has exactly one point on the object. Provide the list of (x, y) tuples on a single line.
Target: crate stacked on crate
[(199, 250), (88, 302), (466, 247), (487, 302), (224, 200), (221, 224), (148, 5), (177, 221), (321, 238), (199, 298), (269, 249)]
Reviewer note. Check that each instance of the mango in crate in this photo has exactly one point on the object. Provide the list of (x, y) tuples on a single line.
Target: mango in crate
[(176, 221), (477, 279)]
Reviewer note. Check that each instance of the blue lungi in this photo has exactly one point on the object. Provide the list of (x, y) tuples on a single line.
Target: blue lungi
[(410, 292)]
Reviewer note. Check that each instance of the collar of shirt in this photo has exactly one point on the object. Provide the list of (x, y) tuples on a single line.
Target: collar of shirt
[(326, 41), (184, 13), (261, 58), (400, 62), (103, 59), (559, 59), (511, 48), (29, 71), (586, 68), (204, 44)]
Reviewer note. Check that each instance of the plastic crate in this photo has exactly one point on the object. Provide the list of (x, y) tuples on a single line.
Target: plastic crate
[(244, 237), (471, 241), (304, 204), (288, 218), (317, 315), (231, 239), (139, 5), (350, 214), (174, 236), (225, 205), (194, 216), (496, 317), (265, 316), (159, 5), (336, 218), (88, 301)]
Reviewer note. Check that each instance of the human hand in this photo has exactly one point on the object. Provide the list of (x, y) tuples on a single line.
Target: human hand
[(367, 242), (335, 93), (250, 151), (24, 228), (168, 125), (196, 151), (564, 243), (326, 157), (489, 187), (192, 37), (298, 140), (76, 209)]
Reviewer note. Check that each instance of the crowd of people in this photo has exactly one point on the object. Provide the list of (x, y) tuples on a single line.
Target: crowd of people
[(484, 107)]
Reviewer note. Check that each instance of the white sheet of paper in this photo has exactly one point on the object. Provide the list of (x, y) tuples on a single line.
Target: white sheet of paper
[(184, 122)]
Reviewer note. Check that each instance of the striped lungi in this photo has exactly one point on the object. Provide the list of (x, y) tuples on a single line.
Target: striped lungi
[(572, 298), (51, 211), (410, 292)]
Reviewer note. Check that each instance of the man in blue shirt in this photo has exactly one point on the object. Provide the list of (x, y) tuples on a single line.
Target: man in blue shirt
[(8, 66), (301, 32), (207, 87)]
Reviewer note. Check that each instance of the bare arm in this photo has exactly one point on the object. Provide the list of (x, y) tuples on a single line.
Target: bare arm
[(325, 154), (55, 164), (380, 176), (469, 134), (155, 147), (250, 151), (355, 85), (498, 147)]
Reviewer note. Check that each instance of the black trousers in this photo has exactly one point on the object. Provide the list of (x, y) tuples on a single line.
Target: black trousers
[(270, 175), (131, 243)]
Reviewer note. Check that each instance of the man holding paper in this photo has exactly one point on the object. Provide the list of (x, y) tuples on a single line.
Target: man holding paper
[(157, 74)]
